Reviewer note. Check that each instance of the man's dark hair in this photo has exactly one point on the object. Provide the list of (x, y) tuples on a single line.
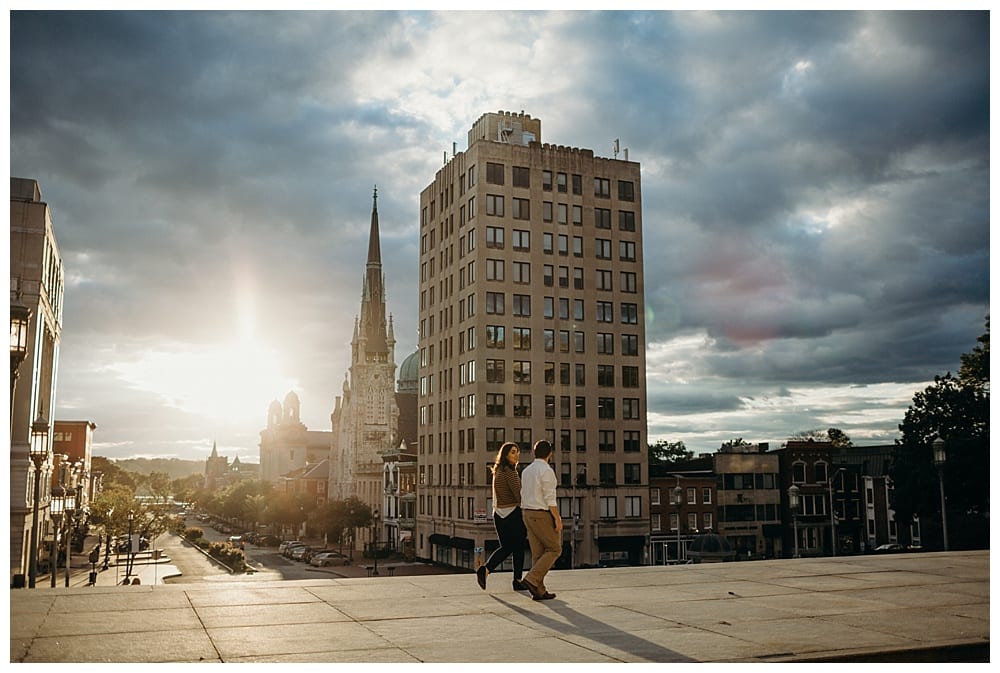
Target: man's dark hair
[(543, 448)]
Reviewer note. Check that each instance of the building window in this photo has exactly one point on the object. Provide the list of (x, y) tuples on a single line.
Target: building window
[(577, 278), (578, 246), (606, 441), (608, 474), (578, 216), (563, 243), (494, 269), (522, 209), (706, 521), (561, 213), (495, 404), (494, 205), (547, 181), (578, 342), (563, 308), (602, 187), (547, 275), (577, 182), (495, 336), (630, 376), (654, 521), (550, 406), (654, 497), (521, 338), (630, 408), (521, 240), (564, 341), (547, 243), (494, 239), (495, 371), (602, 248), (629, 314), (522, 305), (561, 182), (605, 311), (633, 506), (604, 280), (626, 251), (631, 443), (564, 406), (494, 439), (706, 496), (628, 279), (494, 303), (630, 344), (549, 375), (626, 191), (609, 508), (606, 407), (546, 211), (521, 272), (605, 343), (520, 176), (602, 218), (581, 407), (799, 472), (549, 345), (626, 220), (494, 174), (522, 406), (606, 376)]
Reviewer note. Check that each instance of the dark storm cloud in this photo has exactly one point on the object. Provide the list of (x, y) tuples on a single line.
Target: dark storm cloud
[(815, 184)]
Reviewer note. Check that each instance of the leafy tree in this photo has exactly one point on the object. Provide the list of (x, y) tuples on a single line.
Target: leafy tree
[(735, 442), (112, 473), (835, 436), (664, 452), (957, 410), (289, 510)]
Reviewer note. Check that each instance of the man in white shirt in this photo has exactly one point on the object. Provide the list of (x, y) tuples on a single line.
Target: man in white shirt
[(541, 518)]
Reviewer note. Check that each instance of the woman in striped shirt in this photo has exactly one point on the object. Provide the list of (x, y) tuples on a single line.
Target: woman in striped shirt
[(506, 516)]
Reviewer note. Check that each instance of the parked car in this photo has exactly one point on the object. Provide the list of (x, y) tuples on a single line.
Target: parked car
[(327, 559), (286, 544), (268, 541), (310, 553), (889, 549), (297, 552), (292, 548)]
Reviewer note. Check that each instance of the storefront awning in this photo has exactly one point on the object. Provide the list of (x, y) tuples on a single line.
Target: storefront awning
[(439, 538)]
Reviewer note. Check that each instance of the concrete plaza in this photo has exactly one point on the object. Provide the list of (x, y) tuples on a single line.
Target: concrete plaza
[(902, 607)]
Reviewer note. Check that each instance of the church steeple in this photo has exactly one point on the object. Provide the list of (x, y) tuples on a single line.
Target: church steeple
[(372, 326)]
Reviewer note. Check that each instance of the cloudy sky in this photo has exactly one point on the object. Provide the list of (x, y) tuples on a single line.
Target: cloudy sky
[(815, 201)]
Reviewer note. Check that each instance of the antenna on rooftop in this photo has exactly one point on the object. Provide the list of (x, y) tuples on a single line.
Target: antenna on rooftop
[(614, 147)]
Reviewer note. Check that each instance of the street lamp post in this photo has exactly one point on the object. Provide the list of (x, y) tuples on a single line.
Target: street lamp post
[(374, 545), (677, 502), (128, 557), (69, 507), (793, 504), (56, 507), (19, 317), (38, 450), (939, 459), (833, 515)]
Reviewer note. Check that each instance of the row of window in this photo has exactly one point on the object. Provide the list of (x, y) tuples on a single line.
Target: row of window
[(521, 242), (569, 507), (567, 440), (692, 521), (570, 474), (561, 213), (692, 496), (521, 407), (559, 181)]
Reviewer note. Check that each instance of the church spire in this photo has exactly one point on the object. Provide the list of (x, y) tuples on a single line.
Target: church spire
[(373, 327)]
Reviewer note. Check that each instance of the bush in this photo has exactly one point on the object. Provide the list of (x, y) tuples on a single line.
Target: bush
[(194, 533)]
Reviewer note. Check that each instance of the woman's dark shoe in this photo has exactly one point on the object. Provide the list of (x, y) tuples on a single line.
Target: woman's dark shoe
[(520, 586), (481, 577), (543, 597)]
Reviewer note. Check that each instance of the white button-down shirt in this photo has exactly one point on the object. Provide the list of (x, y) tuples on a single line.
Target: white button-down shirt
[(538, 486)]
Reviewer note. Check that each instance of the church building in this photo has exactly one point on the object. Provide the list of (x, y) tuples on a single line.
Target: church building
[(365, 417)]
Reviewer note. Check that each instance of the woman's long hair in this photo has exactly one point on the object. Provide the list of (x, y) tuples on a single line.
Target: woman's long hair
[(501, 462)]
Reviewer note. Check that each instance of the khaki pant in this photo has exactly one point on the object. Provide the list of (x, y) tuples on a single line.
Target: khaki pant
[(545, 542)]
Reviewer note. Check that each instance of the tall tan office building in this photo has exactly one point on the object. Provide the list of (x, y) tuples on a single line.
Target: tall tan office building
[(532, 327)]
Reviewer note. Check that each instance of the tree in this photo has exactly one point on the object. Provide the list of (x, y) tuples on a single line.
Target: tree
[(735, 442), (835, 436), (664, 452), (957, 410)]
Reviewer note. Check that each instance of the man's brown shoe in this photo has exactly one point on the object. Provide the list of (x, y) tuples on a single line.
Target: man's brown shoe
[(543, 597), (535, 593)]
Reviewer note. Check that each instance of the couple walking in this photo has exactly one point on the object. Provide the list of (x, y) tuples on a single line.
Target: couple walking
[(525, 504)]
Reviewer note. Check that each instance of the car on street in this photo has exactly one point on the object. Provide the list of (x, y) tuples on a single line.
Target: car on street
[(286, 544), (325, 559), (889, 549), (298, 552)]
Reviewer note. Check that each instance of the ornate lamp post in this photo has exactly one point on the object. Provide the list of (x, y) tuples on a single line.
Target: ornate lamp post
[(38, 451), (69, 506), (793, 504), (374, 544), (56, 507), (128, 557), (19, 317), (833, 515), (677, 501), (939, 459)]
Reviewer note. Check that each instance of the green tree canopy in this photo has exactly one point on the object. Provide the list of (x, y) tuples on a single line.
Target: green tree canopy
[(957, 410), (664, 452)]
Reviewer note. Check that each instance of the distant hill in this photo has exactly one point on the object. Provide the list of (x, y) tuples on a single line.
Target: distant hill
[(174, 468)]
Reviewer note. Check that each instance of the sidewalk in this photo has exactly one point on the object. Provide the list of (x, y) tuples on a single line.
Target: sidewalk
[(928, 607)]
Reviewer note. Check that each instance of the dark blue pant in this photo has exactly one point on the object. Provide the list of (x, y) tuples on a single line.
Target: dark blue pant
[(512, 534)]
